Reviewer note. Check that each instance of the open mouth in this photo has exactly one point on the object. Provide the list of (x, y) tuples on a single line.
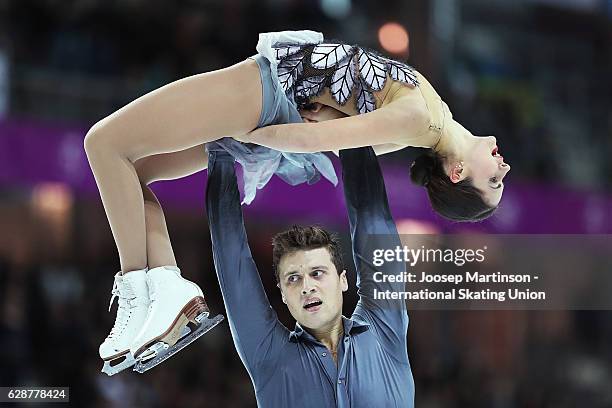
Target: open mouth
[(495, 153), (313, 304)]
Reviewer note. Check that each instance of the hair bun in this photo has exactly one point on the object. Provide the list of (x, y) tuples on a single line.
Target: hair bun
[(422, 168)]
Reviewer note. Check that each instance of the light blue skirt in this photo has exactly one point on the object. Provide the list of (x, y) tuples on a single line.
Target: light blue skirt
[(259, 163)]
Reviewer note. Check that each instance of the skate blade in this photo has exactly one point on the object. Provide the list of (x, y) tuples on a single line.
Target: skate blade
[(111, 370), (164, 352), (160, 347), (191, 315)]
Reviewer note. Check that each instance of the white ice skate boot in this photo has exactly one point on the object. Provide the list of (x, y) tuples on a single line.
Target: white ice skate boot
[(131, 288), (177, 316)]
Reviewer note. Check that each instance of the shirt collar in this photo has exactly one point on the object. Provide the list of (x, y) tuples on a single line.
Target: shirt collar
[(351, 326)]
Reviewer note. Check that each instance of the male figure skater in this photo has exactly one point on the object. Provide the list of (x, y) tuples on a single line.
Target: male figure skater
[(328, 360)]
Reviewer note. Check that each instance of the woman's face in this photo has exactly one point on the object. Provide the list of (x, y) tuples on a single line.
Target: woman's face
[(486, 167)]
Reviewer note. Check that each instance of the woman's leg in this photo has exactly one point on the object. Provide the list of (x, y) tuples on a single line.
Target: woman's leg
[(159, 247), (178, 116), (115, 350), (168, 166)]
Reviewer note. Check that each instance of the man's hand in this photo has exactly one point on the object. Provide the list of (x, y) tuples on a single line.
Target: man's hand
[(317, 112)]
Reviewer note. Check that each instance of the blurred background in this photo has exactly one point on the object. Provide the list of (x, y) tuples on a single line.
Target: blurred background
[(534, 73)]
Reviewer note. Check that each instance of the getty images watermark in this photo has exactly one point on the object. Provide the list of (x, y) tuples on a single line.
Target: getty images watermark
[(457, 257), (493, 271)]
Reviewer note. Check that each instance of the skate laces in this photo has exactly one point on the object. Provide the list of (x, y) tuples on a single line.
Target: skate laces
[(125, 293)]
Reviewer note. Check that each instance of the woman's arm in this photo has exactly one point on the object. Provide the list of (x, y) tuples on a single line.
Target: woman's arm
[(319, 113), (388, 124)]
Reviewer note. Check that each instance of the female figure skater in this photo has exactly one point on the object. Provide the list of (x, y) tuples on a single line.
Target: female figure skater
[(281, 99)]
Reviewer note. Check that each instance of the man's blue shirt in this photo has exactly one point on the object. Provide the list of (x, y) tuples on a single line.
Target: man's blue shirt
[(291, 368)]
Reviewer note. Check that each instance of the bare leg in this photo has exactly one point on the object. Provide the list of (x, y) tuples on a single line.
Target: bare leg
[(176, 117), (167, 166), (115, 350), (159, 247)]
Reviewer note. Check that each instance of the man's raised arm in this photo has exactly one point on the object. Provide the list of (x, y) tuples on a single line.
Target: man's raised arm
[(254, 324), (373, 228)]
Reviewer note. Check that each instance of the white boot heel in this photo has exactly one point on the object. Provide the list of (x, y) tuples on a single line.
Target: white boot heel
[(177, 316)]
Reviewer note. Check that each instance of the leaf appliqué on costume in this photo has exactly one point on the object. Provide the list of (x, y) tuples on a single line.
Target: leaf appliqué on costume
[(372, 69), (325, 56), (401, 72), (309, 87), (343, 81), (289, 69), (284, 51), (305, 70), (365, 98)]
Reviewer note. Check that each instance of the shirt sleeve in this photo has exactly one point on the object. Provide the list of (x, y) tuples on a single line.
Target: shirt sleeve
[(372, 228), (255, 328)]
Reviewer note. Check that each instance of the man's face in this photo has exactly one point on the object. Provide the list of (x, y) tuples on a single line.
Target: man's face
[(311, 287)]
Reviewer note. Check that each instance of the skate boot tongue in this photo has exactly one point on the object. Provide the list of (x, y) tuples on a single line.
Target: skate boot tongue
[(117, 291), (136, 284), (137, 280), (129, 286), (122, 290)]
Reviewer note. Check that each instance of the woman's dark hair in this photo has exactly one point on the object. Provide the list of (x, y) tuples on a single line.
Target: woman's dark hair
[(456, 201)]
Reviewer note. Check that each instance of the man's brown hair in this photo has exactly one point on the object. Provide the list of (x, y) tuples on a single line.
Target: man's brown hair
[(299, 238)]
